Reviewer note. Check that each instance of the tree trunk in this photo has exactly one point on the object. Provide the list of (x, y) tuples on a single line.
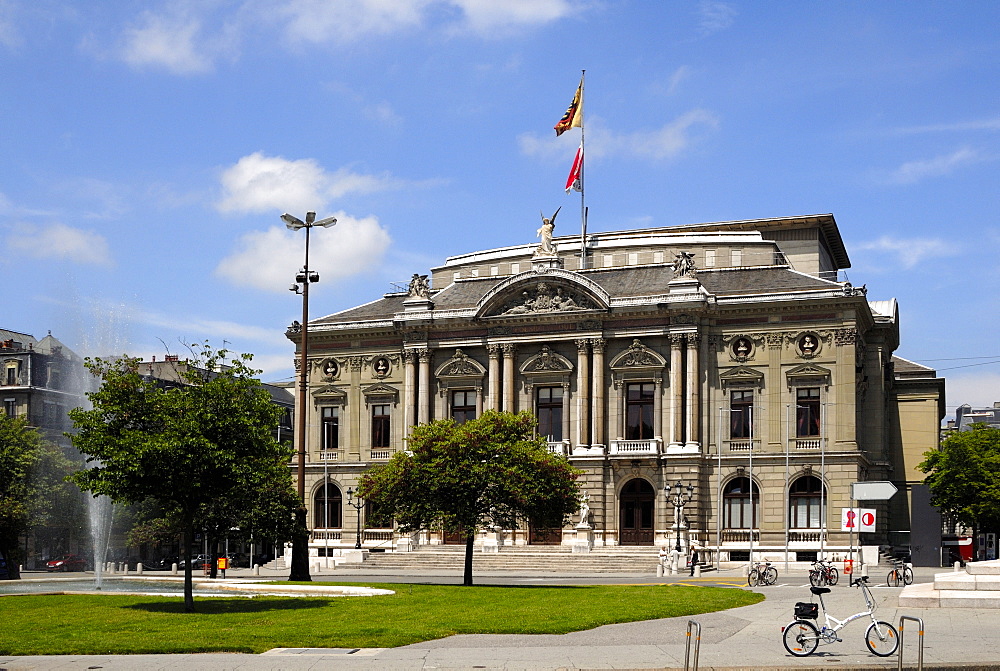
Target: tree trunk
[(213, 555), (470, 542), (186, 557)]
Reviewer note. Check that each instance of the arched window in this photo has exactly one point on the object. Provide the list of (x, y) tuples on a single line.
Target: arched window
[(328, 505), (804, 499), (736, 512)]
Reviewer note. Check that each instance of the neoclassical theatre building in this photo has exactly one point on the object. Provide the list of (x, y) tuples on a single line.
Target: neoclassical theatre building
[(727, 357)]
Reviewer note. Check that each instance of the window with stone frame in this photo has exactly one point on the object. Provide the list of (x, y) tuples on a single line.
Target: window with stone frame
[(741, 413), (805, 498), (10, 407), (807, 412), (380, 425), (330, 431), (463, 405), (736, 510), (549, 411), (10, 378), (639, 410), (328, 504)]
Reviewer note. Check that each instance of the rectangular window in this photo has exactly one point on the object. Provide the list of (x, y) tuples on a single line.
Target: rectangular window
[(549, 411), (741, 413), (807, 412), (639, 411), (380, 425), (608, 260), (10, 407), (709, 258), (515, 268), (458, 274), (633, 258), (11, 375), (474, 272), (737, 258), (331, 428), (463, 405), (494, 271), (658, 257)]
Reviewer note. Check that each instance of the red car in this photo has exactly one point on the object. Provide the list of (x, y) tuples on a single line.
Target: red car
[(67, 563)]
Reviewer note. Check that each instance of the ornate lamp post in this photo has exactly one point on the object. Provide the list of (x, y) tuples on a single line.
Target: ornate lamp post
[(305, 277), (681, 497), (357, 505)]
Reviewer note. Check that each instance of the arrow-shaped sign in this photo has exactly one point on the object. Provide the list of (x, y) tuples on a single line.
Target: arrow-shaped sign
[(872, 491)]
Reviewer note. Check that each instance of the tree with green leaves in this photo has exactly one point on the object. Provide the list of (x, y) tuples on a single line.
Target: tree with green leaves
[(30, 471), (203, 451), (492, 471), (964, 477)]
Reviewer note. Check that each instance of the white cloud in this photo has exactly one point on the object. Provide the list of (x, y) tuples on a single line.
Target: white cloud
[(914, 171), (9, 35), (490, 16), (980, 389), (347, 20), (715, 16), (266, 259), (59, 241), (663, 143), (977, 124), (212, 329), (259, 183), (910, 252), (173, 41)]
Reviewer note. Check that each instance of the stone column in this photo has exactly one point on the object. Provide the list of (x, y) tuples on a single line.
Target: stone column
[(565, 409), (509, 351), (658, 407), (676, 390), (582, 392), (597, 345), (409, 385), (493, 383), (424, 386), (479, 401), (692, 437)]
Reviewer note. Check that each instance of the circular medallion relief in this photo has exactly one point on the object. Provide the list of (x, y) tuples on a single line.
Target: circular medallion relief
[(808, 345), (381, 367), (331, 368), (742, 348)]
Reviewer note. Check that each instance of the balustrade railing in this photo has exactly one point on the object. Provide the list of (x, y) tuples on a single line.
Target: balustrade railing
[(380, 455), (807, 443), (739, 535), (633, 447)]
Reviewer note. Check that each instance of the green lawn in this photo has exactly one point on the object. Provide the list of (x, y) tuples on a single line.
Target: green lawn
[(109, 624)]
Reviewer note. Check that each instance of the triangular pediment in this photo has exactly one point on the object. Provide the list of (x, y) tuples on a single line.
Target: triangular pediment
[(741, 375), (380, 392), (808, 373), (638, 355), (329, 393)]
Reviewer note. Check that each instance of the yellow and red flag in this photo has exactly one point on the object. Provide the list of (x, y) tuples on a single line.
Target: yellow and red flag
[(573, 118)]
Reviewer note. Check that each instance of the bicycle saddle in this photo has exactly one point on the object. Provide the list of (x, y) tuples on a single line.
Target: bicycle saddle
[(819, 590)]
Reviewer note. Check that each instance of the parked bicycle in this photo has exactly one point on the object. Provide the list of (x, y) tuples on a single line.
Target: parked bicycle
[(900, 573), (823, 573), (801, 637), (762, 574)]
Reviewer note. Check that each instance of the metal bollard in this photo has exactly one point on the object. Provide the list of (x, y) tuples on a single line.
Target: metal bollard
[(173, 569), (920, 646), (659, 570), (697, 570), (958, 565), (256, 569), (697, 645), (138, 568)]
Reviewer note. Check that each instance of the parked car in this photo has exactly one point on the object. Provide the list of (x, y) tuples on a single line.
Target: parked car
[(161, 564), (198, 562), (67, 563)]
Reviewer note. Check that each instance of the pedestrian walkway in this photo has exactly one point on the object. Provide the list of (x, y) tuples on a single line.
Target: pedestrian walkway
[(742, 638)]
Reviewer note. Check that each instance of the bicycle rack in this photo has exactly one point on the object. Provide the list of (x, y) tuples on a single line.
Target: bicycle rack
[(697, 645), (920, 647)]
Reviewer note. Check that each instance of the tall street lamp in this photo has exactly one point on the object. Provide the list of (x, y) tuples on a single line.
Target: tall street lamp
[(357, 505), (305, 277), (681, 497)]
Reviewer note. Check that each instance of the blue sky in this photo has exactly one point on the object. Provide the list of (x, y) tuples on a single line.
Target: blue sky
[(149, 148)]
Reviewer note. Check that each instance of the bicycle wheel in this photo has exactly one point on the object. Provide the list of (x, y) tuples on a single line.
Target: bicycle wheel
[(770, 575), (801, 638), (882, 638), (753, 578), (832, 576), (892, 580), (815, 578), (907, 575)]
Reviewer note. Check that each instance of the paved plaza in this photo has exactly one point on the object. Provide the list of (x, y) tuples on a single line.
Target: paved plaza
[(742, 638)]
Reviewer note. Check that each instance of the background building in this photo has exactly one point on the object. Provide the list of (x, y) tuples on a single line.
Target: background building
[(729, 357)]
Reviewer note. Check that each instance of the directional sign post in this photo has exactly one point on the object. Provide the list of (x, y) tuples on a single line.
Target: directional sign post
[(872, 491)]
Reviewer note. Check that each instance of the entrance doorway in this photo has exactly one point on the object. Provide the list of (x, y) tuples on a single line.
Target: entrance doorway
[(636, 513)]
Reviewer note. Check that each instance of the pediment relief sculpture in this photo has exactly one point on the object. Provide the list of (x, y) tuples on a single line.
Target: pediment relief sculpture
[(638, 355), (330, 393), (380, 393), (742, 375), (460, 365), (808, 373), (545, 297), (547, 361)]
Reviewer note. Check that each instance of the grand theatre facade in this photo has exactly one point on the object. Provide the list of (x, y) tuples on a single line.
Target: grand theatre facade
[(726, 357)]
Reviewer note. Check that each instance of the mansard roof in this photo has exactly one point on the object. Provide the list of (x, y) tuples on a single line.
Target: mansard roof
[(621, 282)]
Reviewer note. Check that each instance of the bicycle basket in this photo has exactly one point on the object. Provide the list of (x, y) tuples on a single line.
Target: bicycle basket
[(806, 611)]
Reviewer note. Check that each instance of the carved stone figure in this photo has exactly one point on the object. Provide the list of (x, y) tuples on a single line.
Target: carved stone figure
[(547, 248), (544, 299), (684, 265), (419, 286), (584, 510)]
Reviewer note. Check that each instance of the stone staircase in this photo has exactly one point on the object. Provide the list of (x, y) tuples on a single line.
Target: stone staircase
[(978, 586), (530, 559)]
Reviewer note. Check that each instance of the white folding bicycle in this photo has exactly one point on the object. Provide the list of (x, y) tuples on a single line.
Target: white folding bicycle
[(801, 637)]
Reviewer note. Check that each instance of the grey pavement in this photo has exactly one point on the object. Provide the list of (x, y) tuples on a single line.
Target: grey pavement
[(742, 638)]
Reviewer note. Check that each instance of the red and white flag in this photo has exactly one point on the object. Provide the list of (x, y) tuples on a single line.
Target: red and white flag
[(574, 182)]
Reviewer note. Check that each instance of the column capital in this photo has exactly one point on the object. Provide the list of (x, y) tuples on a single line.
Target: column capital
[(582, 344), (693, 339), (424, 355), (676, 339), (509, 349), (598, 345)]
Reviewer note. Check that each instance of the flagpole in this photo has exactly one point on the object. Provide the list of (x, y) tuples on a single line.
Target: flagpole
[(583, 167)]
